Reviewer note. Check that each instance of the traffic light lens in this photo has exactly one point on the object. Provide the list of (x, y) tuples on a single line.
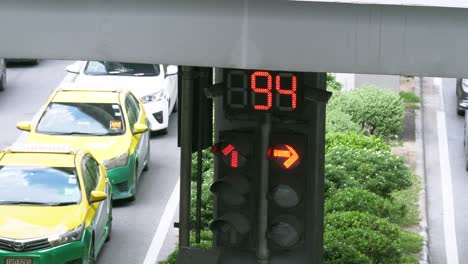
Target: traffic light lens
[(285, 196), (284, 235), (231, 197), (232, 189), (285, 156)]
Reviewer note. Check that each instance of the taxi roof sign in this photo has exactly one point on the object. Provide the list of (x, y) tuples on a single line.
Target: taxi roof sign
[(88, 87), (41, 148)]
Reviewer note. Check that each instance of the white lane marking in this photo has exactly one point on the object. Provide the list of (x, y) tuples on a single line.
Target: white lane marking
[(438, 81), (451, 249), (163, 227)]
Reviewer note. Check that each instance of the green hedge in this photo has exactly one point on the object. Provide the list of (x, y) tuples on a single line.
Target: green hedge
[(358, 200), (355, 140), (207, 196), (379, 172), (373, 237), (377, 111), (340, 122)]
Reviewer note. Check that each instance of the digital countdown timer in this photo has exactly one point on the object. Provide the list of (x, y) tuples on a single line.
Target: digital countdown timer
[(259, 91)]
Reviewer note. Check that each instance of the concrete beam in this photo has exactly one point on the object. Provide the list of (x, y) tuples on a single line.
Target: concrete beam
[(280, 35)]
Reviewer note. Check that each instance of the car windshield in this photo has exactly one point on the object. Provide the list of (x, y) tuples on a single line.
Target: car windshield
[(121, 68), (38, 186), (82, 119)]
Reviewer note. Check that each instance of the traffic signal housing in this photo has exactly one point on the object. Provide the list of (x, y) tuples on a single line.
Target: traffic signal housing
[(287, 185), (234, 216)]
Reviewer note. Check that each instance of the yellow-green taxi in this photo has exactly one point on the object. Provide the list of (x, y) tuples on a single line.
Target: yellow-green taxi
[(111, 124), (55, 205)]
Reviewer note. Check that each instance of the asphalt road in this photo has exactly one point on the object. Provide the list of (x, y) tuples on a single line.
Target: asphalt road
[(135, 223), (455, 127), (446, 177)]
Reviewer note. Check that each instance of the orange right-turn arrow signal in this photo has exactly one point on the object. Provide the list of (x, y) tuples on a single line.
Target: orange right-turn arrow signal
[(285, 151)]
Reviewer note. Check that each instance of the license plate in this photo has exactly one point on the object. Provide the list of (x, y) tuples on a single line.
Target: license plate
[(18, 260)]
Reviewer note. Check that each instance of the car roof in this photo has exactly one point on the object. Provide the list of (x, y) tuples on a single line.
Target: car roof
[(86, 94), (50, 155)]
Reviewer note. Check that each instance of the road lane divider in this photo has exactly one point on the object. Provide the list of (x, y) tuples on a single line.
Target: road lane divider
[(451, 249), (164, 224)]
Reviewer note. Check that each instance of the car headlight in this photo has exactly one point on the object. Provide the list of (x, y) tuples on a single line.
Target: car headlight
[(70, 236), (152, 97), (118, 161)]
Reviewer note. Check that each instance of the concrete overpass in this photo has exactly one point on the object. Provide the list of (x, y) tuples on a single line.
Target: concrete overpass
[(406, 36)]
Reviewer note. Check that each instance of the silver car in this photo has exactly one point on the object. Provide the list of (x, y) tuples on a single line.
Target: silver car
[(2, 74)]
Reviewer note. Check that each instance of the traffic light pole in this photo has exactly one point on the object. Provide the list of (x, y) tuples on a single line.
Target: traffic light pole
[(185, 156), (263, 252)]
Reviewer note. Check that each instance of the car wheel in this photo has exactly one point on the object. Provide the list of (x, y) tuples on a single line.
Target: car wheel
[(91, 255), (174, 109), (163, 131), (135, 183), (148, 156), (460, 112)]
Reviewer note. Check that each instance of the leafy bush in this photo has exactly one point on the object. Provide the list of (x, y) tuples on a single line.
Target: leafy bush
[(207, 163), (358, 200), (411, 242), (409, 97), (207, 198), (352, 219), (374, 237), (379, 172), (171, 259), (332, 84), (338, 121), (339, 252), (206, 237), (205, 242), (355, 141), (377, 111), (344, 102), (409, 260), (405, 203)]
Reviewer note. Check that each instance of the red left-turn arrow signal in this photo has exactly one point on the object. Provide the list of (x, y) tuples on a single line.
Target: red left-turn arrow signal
[(229, 153)]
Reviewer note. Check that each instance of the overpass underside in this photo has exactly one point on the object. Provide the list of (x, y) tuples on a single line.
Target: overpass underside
[(280, 35)]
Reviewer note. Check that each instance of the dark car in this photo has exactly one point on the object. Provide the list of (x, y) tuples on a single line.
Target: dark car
[(2, 74), (462, 95), (27, 61)]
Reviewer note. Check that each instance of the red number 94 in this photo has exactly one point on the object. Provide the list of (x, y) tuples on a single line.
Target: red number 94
[(267, 90)]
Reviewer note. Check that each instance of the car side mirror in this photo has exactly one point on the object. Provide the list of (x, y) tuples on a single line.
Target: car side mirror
[(140, 128), (24, 125), (171, 70), (74, 68), (97, 196)]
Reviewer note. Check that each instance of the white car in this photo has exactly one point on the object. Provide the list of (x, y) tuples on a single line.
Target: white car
[(155, 85)]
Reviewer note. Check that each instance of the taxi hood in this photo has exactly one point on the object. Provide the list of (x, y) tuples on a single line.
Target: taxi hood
[(102, 147), (140, 86), (26, 222)]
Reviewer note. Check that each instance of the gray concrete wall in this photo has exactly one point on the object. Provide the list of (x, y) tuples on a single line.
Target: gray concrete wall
[(389, 82), (351, 81)]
